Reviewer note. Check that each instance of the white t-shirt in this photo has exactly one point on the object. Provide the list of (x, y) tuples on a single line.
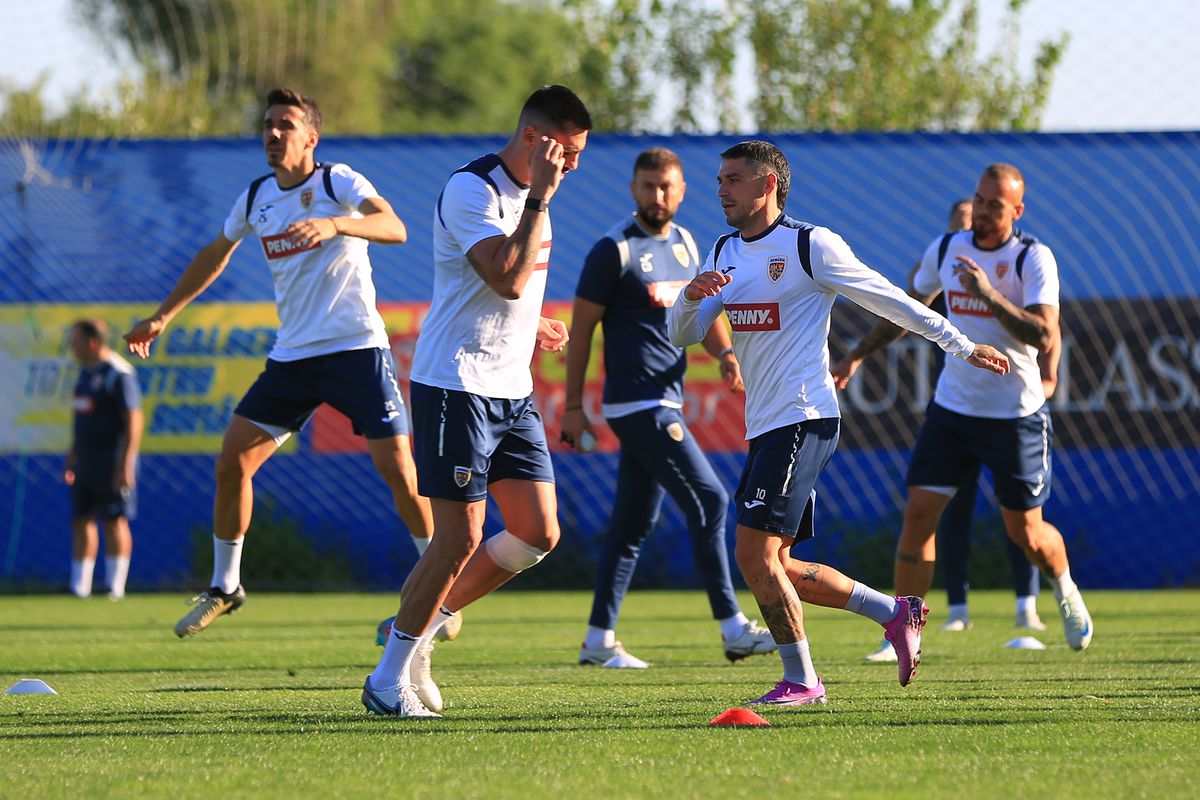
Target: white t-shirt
[(324, 295), (779, 313), (473, 339), (971, 391)]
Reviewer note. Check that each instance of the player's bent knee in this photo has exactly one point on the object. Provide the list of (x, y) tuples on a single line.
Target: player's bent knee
[(512, 554)]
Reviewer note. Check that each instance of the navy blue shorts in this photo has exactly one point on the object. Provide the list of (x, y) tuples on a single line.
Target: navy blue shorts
[(1017, 451), (463, 442), (359, 383), (99, 498), (777, 492)]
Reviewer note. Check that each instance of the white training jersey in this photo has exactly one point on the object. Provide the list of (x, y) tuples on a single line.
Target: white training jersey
[(323, 294), (473, 339), (779, 301), (1025, 272)]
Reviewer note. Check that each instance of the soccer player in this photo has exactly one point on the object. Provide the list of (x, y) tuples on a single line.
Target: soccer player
[(313, 222), (476, 430), (101, 466), (629, 280), (954, 529), (776, 279), (1003, 285)]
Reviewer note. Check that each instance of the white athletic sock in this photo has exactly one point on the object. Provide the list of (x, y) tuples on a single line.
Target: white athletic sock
[(439, 619), (421, 544), (871, 604), (797, 663), (116, 568), (599, 637), (732, 627), (1063, 585), (227, 563), (393, 667), (81, 576), (1026, 604)]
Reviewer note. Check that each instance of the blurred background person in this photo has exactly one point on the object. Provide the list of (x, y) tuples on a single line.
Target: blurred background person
[(101, 466)]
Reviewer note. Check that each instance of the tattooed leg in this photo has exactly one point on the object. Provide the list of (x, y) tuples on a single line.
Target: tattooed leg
[(757, 555)]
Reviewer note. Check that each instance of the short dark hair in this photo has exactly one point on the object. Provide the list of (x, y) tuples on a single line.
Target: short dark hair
[(767, 159), (290, 97), (962, 201), (94, 329), (1001, 170), (556, 106), (657, 158)]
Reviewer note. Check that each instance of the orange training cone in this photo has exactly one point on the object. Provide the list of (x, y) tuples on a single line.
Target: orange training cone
[(739, 718)]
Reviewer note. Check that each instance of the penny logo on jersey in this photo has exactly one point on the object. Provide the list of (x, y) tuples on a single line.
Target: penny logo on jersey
[(775, 267), (282, 244), (964, 303), (753, 316)]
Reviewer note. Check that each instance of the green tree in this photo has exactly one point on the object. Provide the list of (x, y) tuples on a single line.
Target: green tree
[(883, 65), (200, 67)]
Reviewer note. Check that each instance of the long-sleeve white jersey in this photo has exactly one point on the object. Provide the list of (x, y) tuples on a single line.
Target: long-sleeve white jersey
[(779, 301)]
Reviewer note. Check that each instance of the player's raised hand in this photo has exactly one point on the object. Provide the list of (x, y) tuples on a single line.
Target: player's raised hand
[(552, 335), (142, 334), (706, 284), (844, 370), (311, 232), (972, 277), (989, 358), (546, 164)]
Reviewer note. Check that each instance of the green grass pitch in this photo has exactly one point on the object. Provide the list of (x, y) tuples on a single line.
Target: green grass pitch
[(265, 704)]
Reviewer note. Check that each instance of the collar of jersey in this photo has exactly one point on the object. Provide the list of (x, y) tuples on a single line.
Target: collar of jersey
[(648, 234), (504, 167), (316, 166), (767, 232), (1012, 234)]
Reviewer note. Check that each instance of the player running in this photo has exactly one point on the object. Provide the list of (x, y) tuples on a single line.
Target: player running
[(313, 222), (776, 279), (1000, 284)]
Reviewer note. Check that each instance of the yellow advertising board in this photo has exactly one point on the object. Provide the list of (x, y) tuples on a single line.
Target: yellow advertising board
[(196, 374)]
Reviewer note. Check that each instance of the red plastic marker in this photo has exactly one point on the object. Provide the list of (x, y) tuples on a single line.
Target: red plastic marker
[(739, 718)]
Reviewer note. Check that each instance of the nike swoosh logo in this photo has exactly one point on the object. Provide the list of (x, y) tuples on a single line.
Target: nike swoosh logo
[(754, 504), (395, 414), (1038, 489)]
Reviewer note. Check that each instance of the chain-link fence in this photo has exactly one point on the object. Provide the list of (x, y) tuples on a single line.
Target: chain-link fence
[(104, 229)]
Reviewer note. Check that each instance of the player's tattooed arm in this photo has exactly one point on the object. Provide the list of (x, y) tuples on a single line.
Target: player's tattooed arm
[(883, 334), (1034, 325)]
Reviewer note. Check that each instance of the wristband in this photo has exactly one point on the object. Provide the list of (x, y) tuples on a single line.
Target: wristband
[(534, 204), (728, 351)]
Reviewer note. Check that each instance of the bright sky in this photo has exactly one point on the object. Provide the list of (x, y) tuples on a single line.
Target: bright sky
[(1128, 66)]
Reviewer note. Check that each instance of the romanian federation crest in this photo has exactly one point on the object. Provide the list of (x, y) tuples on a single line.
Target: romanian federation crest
[(775, 267), (680, 252), (306, 198), (462, 476), (1001, 269)]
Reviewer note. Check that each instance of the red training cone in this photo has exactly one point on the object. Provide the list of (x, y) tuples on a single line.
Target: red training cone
[(739, 718)]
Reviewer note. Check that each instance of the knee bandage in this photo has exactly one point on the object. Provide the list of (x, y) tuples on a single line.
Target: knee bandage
[(511, 553)]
